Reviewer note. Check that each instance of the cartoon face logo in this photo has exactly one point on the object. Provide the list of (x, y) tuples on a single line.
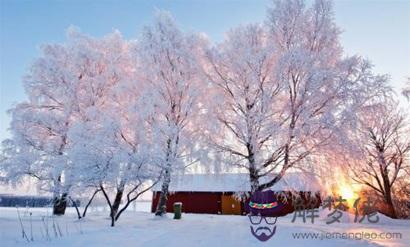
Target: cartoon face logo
[(260, 231), (262, 208)]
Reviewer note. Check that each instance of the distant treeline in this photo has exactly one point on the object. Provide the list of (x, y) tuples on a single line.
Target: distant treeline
[(27, 201)]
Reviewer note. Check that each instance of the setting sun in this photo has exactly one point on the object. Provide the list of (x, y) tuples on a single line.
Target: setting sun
[(347, 193), (345, 188)]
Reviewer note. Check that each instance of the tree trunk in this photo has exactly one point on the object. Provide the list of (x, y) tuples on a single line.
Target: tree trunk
[(109, 204), (391, 211), (162, 203), (279, 176), (117, 202), (253, 173), (89, 202), (254, 180), (60, 204), (76, 207), (253, 176)]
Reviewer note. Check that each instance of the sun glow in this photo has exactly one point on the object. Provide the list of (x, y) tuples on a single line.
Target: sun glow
[(350, 195), (347, 193), (345, 189)]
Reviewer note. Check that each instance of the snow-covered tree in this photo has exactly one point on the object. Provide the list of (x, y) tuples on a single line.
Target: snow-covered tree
[(284, 91), (169, 67), (378, 153), (80, 115), (246, 127), (321, 89), (109, 147), (40, 125), (113, 159)]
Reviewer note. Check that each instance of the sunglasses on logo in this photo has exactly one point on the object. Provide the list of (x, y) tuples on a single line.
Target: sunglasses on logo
[(257, 219)]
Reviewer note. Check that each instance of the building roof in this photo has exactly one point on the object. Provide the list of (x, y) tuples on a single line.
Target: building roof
[(238, 182)]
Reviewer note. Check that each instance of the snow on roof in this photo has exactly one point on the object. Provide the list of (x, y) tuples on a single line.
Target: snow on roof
[(237, 182)]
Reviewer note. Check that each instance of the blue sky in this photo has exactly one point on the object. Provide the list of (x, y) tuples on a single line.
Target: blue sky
[(379, 30)]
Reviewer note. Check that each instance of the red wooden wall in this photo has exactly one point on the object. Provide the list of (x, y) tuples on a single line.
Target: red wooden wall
[(192, 202), (210, 202)]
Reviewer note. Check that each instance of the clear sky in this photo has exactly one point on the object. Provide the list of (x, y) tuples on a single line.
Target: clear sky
[(379, 30)]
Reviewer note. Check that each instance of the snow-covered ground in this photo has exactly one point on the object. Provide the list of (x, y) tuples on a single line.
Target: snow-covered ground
[(144, 229)]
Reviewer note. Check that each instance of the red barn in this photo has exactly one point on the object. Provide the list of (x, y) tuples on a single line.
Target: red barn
[(214, 193)]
